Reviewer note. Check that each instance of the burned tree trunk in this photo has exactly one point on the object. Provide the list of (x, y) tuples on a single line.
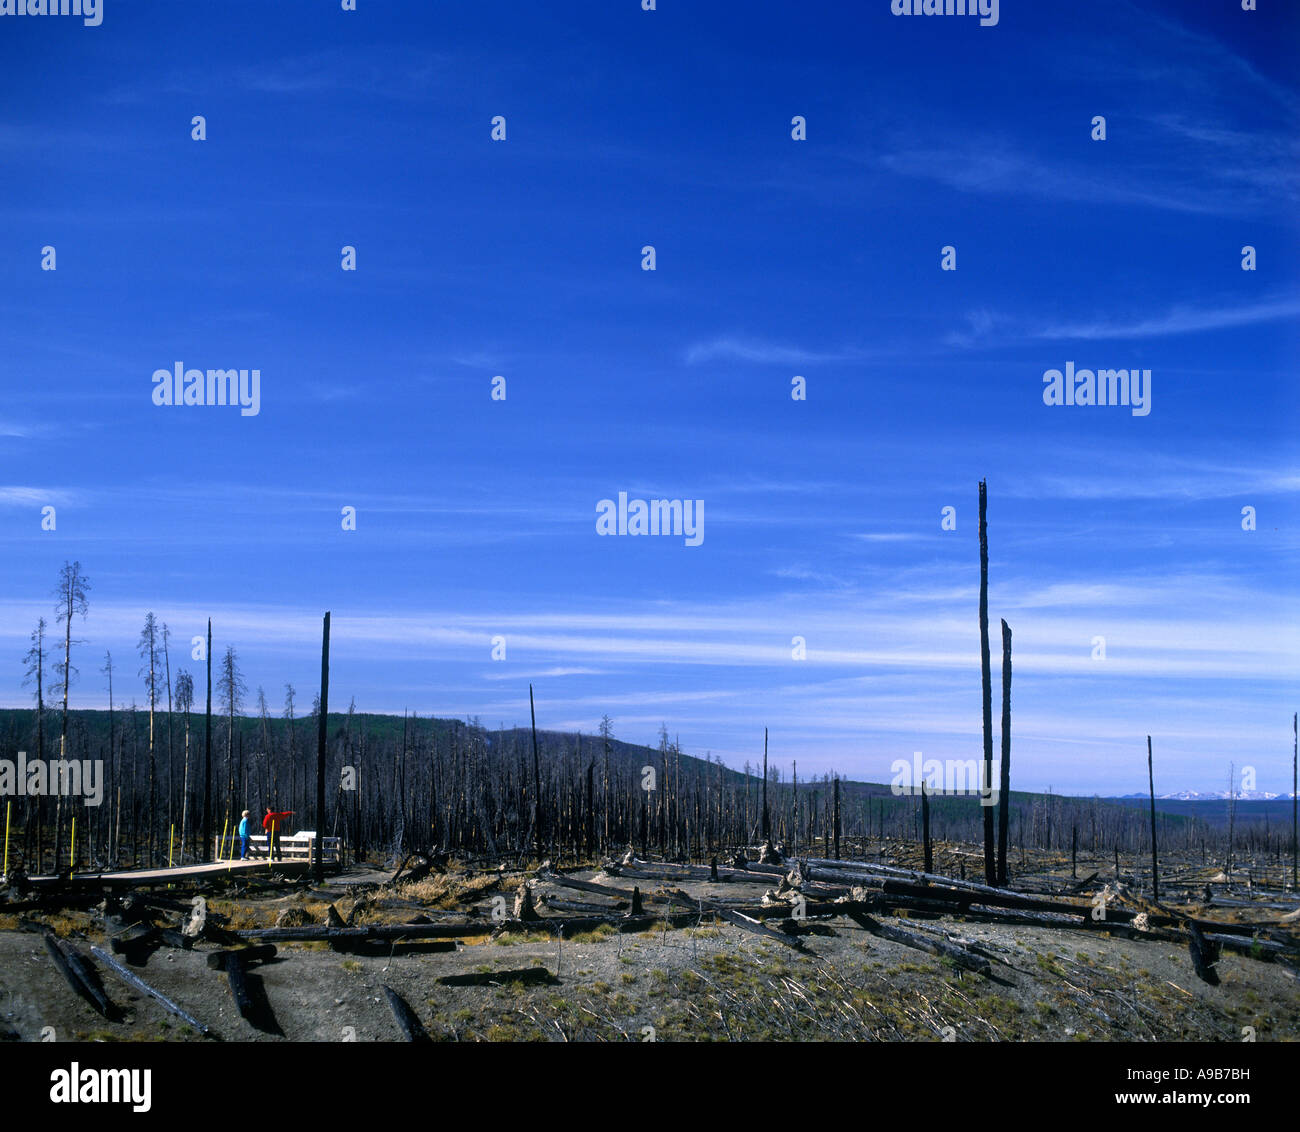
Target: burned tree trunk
[(537, 779), (1004, 790), (837, 817), (407, 1021), (925, 829), (208, 846), (1155, 867), (767, 821), (321, 736), (986, 676)]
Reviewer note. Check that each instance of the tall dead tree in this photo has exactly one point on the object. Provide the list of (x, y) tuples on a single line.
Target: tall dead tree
[(1155, 866), (108, 671), (990, 863), (35, 673), (321, 736), (171, 751), (1004, 790), (148, 648), (837, 817), (1295, 764), (71, 594), (184, 701), (209, 848), (606, 733), (925, 829), (767, 820), (232, 689), (537, 780)]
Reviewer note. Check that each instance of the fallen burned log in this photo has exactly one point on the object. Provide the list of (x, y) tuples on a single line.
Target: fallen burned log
[(412, 1028), (623, 894), (134, 940), (249, 995), (650, 870), (317, 933), (932, 944), (238, 983), (257, 953), (996, 898), (738, 919), (1205, 954), (73, 969), (563, 928), (583, 906), (139, 984), (89, 978), (529, 976), (862, 871), (1266, 950), (54, 902)]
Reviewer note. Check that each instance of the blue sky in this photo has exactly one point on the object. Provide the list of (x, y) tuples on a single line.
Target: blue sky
[(775, 258)]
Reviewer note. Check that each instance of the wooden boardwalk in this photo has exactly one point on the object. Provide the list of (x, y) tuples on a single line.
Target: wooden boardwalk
[(128, 877)]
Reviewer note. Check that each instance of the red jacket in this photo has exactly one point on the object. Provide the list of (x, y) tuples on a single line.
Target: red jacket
[(277, 818)]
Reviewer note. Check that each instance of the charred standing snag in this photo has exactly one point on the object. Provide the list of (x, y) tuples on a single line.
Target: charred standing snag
[(925, 827), (537, 779), (321, 736), (1004, 792), (837, 817), (208, 843), (767, 821), (986, 676), (1155, 866)]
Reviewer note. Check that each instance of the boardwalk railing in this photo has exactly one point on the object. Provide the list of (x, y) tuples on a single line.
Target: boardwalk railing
[(300, 846)]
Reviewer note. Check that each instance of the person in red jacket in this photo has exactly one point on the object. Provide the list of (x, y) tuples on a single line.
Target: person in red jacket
[(273, 820)]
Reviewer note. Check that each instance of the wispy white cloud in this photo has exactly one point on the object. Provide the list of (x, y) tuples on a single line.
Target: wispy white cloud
[(1177, 320), (987, 328), (541, 673), (34, 497), (768, 353)]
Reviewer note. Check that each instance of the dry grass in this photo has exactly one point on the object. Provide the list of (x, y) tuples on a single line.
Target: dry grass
[(448, 890)]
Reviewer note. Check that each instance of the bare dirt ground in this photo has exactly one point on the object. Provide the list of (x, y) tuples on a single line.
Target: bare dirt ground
[(712, 981)]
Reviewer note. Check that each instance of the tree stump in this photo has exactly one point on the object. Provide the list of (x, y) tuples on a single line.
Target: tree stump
[(524, 903)]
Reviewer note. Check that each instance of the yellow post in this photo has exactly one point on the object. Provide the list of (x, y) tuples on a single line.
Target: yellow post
[(221, 845), (72, 845), (171, 842), (8, 809)]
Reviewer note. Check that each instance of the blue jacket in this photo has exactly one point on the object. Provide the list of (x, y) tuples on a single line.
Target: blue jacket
[(243, 827)]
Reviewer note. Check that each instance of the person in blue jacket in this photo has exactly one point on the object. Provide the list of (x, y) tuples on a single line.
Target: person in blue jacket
[(243, 837)]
